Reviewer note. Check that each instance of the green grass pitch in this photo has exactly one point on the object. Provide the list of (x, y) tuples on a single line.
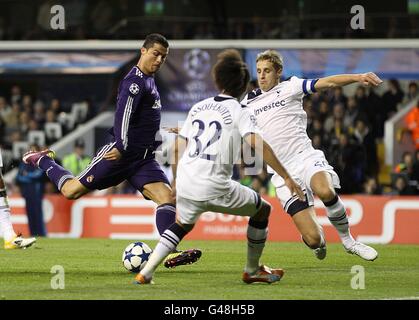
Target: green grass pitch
[(93, 270)]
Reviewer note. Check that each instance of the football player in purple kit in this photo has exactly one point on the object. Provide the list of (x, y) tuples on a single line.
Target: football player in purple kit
[(131, 155)]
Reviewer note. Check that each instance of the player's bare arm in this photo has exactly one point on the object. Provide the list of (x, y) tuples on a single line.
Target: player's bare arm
[(256, 141), (340, 80), (178, 148)]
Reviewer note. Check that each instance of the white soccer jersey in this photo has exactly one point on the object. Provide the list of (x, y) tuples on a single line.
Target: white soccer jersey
[(214, 129), (281, 118)]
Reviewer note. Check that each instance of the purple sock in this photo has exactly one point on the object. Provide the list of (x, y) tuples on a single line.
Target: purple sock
[(54, 171), (165, 216)]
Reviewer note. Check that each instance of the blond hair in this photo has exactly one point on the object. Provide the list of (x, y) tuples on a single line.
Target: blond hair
[(272, 56)]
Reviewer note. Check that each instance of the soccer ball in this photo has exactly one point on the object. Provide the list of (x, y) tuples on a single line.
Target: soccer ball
[(135, 256)]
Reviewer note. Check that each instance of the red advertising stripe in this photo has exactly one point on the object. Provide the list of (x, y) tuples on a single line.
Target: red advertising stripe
[(373, 219)]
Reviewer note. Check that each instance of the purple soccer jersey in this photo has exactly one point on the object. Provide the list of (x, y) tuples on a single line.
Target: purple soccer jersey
[(137, 116), (136, 123)]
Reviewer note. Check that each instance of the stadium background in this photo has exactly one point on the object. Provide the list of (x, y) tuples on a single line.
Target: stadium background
[(66, 80)]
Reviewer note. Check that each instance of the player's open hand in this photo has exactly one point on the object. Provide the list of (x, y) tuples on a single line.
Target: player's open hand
[(370, 79), (295, 188), (112, 155)]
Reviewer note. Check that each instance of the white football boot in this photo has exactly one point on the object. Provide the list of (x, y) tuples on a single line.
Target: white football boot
[(363, 251), (19, 242)]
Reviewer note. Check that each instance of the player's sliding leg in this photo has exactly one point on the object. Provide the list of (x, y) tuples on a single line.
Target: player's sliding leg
[(64, 180), (321, 184), (303, 216), (311, 232), (161, 194), (11, 239), (167, 243), (257, 233)]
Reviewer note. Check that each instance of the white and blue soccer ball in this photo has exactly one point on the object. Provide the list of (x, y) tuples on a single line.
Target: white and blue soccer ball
[(135, 256)]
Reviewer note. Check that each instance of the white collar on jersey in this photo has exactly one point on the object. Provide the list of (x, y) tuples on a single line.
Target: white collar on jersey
[(271, 89), (223, 95)]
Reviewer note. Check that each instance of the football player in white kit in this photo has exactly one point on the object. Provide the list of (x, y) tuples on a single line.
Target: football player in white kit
[(278, 108), (209, 143), (11, 239)]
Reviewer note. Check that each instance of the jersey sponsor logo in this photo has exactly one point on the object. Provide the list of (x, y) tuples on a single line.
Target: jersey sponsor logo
[(90, 178), (134, 88), (156, 105), (275, 104)]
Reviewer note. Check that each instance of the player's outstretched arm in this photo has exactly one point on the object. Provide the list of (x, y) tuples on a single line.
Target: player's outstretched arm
[(178, 148), (257, 143), (340, 80)]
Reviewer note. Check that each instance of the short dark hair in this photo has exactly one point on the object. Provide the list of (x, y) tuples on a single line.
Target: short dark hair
[(79, 143), (230, 73), (153, 38)]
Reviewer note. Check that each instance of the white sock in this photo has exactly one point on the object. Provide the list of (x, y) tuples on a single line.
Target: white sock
[(256, 238), (336, 213), (6, 227), (167, 243)]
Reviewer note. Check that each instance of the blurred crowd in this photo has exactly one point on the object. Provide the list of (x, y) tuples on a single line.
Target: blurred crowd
[(19, 115), (132, 19), (26, 120)]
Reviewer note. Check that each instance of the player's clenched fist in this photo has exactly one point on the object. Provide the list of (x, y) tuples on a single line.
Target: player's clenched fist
[(369, 79)]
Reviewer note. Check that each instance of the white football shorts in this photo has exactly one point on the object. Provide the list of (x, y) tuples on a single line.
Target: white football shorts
[(240, 201), (302, 168)]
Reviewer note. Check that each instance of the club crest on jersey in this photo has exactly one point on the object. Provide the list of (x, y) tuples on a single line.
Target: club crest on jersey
[(156, 105), (90, 178), (134, 88), (253, 120)]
